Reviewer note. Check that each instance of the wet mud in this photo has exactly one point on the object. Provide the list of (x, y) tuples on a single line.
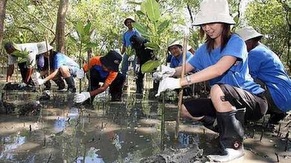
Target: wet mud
[(48, 127)]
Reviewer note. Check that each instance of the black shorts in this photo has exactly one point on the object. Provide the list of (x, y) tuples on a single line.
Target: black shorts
[(256, 105)]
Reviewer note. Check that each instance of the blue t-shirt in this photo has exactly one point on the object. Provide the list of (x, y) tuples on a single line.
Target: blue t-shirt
[(177, 61), (63, 60), (126, 36), (103, 74), (238, 74), (266, 66)]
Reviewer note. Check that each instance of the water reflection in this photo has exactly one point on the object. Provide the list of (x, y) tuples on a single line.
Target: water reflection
[(60, 123), (9, 144), (91, 157), (113, 132)]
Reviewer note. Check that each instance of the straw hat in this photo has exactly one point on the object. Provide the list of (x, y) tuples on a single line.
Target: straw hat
[(213, 11), (247, 33), (43, 47)]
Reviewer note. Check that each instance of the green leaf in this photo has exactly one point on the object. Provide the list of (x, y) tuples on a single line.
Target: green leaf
[(79, 28), (135, 3), (90, 45), (152, 45), (140, 13), (164, 25), (140, 28), (152, 9), (87, 28), (150, 66)]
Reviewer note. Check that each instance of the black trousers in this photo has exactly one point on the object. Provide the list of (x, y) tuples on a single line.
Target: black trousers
[(115, 87), (256, 105), (23, 71)]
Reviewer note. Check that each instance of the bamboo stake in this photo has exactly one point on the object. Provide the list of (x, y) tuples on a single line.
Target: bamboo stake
[(80, 62), (185, 40), (48, 56)]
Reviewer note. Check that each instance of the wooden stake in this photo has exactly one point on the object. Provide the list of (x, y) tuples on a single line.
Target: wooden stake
[(185, 40)]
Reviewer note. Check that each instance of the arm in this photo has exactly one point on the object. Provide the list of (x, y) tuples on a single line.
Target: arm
[(28, 74), (52, 75), (210, 72), (99, 90), (123, 49), (9, 73), (110, 78)]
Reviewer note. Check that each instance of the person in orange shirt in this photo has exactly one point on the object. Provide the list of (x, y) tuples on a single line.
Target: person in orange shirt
[(103, 69)]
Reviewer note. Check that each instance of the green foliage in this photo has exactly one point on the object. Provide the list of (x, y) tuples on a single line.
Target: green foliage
[(154, 28), (84, 33), (83, 39), (149, 66), (269, 19)]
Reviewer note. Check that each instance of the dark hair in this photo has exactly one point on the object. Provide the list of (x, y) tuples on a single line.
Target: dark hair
[(226, 33), (8, 45), (137, 42), (257, 39)]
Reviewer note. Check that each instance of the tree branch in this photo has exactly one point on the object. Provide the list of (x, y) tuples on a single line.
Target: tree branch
[(44, 25)]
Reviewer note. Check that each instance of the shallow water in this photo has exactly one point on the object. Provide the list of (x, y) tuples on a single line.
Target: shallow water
[(117, 132), (124, 131)]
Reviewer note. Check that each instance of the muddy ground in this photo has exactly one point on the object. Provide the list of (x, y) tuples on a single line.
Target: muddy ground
[(140, 128)]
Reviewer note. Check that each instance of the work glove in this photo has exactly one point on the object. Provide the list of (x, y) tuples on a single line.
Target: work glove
[(168, 84), (80, 73), (163, 72), (137, 68), (81, 97), (34, 77), (22, 85), (40, 81), (131, 58)]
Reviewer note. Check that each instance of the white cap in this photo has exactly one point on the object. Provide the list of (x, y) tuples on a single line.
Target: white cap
[(247, 33), (189, 47), (43, 47), (129, 18), (177, 43), (213, 11)]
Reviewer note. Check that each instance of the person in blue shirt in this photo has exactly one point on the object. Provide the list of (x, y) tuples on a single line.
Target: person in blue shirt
[(223, 61), (61, 65), (176, 51), (267, 69), (127, 44)]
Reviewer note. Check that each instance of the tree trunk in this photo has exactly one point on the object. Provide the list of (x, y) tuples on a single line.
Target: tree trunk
[(60, 28), (2, 18)]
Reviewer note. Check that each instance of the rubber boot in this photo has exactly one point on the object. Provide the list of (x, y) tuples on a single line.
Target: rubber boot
[(139, 86), (208, 122), (60, 83), (240, 115), (47, 85), (230, 137), (115, 88), (71, 84)]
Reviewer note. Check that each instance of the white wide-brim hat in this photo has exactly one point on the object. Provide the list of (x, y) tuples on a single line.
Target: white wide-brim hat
[(43, 47), (213, 11), (247, 33)]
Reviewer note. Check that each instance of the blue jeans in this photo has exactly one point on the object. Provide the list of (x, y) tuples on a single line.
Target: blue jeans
[(125, 64)]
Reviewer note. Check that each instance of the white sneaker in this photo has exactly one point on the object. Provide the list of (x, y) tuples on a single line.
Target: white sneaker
[(231, 155)]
